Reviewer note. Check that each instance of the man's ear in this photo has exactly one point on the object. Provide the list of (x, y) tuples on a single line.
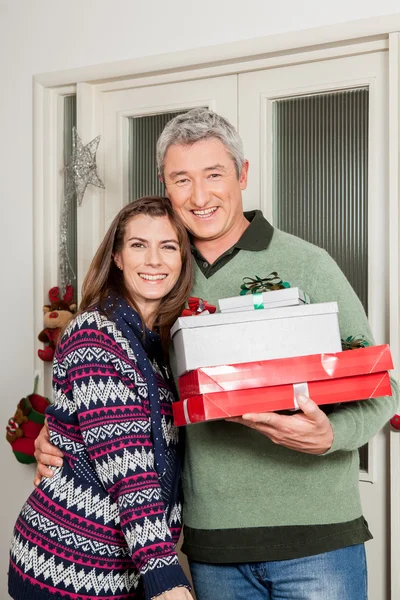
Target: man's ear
[(161, 180), (243, 175)]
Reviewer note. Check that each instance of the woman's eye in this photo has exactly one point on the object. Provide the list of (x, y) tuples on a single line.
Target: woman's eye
[(170, 247), (137, 245)]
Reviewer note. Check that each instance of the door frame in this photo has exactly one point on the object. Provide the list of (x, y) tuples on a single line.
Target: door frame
[(49, 89), (394, 294)]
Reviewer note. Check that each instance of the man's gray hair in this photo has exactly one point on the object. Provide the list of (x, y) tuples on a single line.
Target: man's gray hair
[(200, 124)]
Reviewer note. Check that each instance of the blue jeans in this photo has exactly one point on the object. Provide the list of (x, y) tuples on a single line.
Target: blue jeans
[(337, 575)]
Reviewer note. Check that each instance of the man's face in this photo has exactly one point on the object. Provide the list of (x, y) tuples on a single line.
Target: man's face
[(202, 184)]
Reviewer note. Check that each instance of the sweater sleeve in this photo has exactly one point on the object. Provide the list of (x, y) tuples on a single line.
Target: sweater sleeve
[(355, 423), (110, 396)]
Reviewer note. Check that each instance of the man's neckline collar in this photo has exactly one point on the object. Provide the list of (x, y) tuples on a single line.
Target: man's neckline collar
[(256, 237)]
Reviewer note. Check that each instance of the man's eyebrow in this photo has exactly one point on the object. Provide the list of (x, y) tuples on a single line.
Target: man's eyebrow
[(177, 174), (216, 167)]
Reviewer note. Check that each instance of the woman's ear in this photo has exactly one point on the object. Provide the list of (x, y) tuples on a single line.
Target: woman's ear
[(117, 259)]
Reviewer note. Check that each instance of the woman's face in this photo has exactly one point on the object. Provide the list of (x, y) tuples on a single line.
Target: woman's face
[(150, 261)]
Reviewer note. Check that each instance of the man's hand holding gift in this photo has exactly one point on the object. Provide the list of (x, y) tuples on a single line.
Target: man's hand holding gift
[(309, 431)]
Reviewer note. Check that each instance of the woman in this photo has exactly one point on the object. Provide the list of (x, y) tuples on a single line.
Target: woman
[(106, 524)]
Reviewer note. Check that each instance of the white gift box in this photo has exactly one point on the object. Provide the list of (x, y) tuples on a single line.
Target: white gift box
[(274, 299), (246, 336)]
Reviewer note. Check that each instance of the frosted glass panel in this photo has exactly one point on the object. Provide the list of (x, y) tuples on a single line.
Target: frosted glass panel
[(143, 135), (321, 176), (321, 180), (72, 245)]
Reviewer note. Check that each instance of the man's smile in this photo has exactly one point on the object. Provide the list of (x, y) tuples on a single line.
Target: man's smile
[(205, 212)]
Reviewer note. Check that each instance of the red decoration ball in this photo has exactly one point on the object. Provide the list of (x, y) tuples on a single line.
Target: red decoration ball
[(395, 422)]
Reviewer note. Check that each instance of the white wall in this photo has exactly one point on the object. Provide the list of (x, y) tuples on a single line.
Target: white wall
[(38, 36)]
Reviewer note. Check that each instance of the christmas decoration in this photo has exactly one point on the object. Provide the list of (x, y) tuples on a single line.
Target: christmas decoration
[(79, 173), (14, 430), (83, 167), (353, 342), (56, 316), (24, 427), (266, 284), (198, 306), (395, 422)]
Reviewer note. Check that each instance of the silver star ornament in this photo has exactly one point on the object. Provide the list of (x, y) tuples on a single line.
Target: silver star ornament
[(82, 170)]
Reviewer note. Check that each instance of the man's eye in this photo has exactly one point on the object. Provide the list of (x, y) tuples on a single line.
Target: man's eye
[(215, 175), (181, 181)]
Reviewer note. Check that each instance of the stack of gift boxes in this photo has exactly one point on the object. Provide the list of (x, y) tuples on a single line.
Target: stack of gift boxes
[(262, 350)]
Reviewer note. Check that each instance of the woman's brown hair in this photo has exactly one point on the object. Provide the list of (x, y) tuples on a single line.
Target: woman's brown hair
[(104, 277)]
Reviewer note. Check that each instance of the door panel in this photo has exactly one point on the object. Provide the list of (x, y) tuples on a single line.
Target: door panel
[(258, 94), (130, 121), (119, 107)]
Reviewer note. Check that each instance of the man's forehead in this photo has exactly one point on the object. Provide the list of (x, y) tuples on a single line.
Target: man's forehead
[(203, 154)]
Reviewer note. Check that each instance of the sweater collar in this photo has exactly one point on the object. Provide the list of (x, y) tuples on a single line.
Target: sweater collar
[(256, 237), (259, 233)]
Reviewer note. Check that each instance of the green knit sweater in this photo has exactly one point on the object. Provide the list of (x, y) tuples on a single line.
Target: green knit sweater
[(247, 499)]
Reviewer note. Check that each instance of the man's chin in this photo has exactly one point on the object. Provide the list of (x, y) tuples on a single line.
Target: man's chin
[(204, 231)]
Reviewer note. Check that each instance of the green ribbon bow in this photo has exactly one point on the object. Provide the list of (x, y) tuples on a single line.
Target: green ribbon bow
[(353, 342), (267, 284)]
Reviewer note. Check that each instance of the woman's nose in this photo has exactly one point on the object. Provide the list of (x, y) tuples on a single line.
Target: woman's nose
[(153, 257)]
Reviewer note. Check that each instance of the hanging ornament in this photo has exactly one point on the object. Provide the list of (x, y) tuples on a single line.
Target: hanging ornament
[(79, 173), (23, 428), (83, 167), (395, 422)]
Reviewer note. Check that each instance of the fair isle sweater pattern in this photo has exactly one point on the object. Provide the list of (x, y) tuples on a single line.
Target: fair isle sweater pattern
[(106, 524)]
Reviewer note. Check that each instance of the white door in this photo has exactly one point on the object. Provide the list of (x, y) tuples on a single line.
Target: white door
[(219, 94), (109, 110), (113, 112), (258, 91)]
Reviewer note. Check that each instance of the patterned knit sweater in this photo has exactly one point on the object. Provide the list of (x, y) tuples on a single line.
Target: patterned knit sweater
[(106, 524)]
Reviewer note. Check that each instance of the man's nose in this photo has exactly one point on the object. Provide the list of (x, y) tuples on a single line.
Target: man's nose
[(200, 194)]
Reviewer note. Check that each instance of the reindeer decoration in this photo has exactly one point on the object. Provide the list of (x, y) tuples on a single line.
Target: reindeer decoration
[(56, 316)]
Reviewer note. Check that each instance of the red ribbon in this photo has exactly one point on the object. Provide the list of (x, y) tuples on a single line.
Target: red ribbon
[(197, 306)]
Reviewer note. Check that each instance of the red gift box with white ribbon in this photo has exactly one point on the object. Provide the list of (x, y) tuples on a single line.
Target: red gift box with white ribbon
[(232, 390), (313, 367)]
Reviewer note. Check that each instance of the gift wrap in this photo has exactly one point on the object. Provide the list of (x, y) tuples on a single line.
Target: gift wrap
[(361, 361), (220, 405), (273, 299), (245, 336)]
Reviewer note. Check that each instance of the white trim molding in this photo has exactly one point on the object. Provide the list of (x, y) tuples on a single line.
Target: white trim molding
[(394, 291), (48, 190), (233, 52)]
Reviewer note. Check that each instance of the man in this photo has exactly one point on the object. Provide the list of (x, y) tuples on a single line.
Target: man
[(272, 507)]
